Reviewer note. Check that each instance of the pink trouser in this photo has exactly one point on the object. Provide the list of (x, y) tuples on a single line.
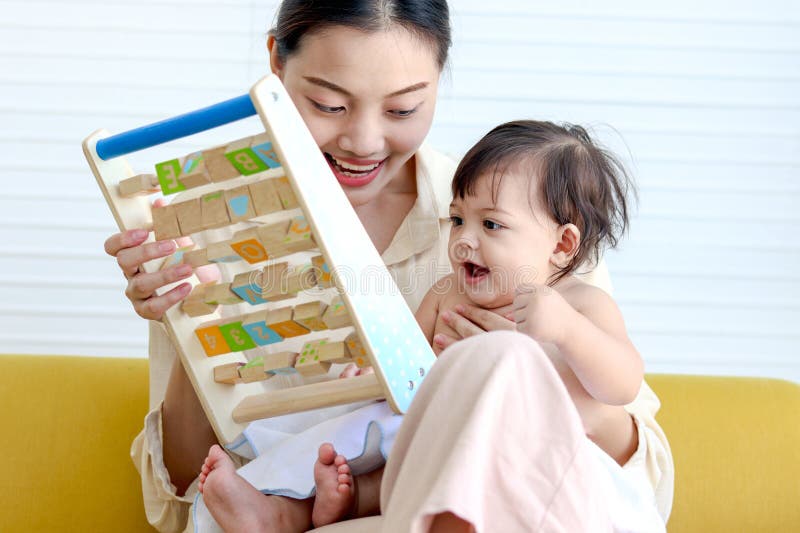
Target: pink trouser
[(493, 437)]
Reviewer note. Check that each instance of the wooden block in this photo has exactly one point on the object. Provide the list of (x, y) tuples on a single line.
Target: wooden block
[(256, 326), (197, 308), (336, 315), (299, 278), (280, 363), (286, 193), (309, 363), (272, 281), (176, 258), (265, 197), (246, 286), (280, 321), (221, 293), (139, 185), (211, 338), (228, 373), (196, 258), (357, 351), (165, 223), (298, 238), (245, 161), (310, 315), (217, 165), (322, 272), (273, 233), (271, 238), (195, 179), (168, 173), (254, 371), (221, 252), (214, 210), (240, 206), (264, 151), (335, 352), (190, 217), (248, 246)]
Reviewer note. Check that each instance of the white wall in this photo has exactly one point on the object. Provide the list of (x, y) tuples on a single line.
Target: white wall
[(704, 95)]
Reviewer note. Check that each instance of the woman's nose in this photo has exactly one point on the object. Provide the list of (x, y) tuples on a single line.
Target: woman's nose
[(362, 137)]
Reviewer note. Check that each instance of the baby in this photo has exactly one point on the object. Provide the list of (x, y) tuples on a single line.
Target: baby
[(532, 201)]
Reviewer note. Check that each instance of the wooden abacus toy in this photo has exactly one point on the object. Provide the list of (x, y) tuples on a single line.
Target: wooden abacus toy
[(315, 289)]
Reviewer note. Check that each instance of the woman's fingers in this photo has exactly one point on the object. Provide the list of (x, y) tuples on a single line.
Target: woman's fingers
[(130, 259), (153, 308), (144, 285), (126, 239)]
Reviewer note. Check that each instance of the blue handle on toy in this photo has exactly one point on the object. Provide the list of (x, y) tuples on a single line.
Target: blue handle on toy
[(176, 127)]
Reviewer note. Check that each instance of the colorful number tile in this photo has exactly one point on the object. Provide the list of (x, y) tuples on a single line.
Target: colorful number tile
[(309, 363), (280, 321), (212, 339), (259, 331), (168, 173), (236, 337), (246, 286), (246, 161), (267, 154)]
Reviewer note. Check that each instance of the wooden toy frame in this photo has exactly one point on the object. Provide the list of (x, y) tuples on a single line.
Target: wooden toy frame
[(394, 345)]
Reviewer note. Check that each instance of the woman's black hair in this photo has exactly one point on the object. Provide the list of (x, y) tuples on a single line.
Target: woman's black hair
[(579, 181), (427, 19)]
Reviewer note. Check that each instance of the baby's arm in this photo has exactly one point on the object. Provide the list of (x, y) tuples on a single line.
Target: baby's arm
[(587, 327)]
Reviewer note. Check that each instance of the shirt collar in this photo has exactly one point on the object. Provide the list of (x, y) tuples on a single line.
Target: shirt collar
[(421, 229)]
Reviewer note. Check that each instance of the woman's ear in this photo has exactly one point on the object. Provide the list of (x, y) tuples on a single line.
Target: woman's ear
[(569, 238), (275, 63)]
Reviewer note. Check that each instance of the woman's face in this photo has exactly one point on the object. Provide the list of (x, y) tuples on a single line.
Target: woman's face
[(368, 99)]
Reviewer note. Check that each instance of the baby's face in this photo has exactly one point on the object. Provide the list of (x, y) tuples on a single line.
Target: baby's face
[(495, 246)]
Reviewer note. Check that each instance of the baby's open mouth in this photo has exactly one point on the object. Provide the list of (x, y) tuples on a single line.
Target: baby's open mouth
[(475, 272)]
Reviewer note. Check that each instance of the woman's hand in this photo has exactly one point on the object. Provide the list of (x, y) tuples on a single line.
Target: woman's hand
[(131, 253), (468, 320)]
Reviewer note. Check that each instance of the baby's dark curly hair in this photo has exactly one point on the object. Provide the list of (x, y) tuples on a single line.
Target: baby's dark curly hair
[(580, 182)]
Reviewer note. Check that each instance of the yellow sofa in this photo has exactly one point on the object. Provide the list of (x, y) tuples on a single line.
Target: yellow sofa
[(67, 424)]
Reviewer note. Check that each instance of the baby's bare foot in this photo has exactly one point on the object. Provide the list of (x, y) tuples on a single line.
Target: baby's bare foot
[(334, 487), (237, 506)]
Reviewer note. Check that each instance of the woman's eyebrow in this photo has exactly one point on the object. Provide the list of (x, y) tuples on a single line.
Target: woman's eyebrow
[(409, 89), (333, 87)]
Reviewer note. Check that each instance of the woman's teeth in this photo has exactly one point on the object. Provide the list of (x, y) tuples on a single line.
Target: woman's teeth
[(350, 168)]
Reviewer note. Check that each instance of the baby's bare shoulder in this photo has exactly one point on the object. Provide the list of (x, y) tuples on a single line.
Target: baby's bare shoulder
[(583, 297)]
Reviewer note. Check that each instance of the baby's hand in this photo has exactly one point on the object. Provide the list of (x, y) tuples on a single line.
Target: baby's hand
[(351, 370), (539, 312)]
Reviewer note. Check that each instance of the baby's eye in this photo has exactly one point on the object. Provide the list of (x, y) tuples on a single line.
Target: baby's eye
[(456, 221), (491, 225)]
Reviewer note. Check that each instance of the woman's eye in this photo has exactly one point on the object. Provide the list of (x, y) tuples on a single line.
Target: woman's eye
[(456, 221), (491, 224), (403, 113), (327, 109)]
